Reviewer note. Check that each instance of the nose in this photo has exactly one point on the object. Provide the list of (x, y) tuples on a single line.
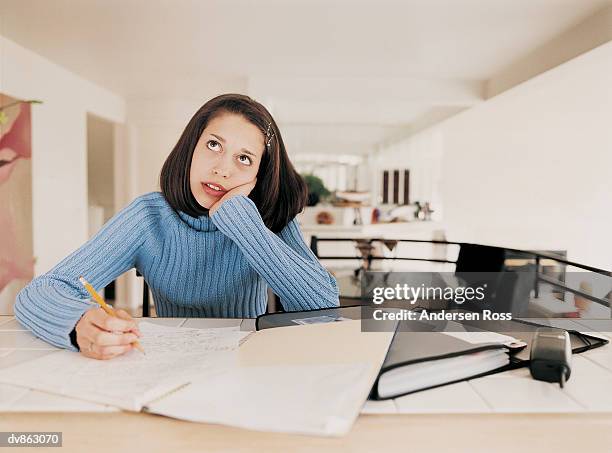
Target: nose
[(223, 172)]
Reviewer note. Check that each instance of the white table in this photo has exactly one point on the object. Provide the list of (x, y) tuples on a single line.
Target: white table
[(492, 408)]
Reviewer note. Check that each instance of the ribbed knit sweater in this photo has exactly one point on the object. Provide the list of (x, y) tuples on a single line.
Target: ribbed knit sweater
[(217, 266)]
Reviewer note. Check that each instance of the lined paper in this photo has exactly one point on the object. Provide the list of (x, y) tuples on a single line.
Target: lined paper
[(173, 356)]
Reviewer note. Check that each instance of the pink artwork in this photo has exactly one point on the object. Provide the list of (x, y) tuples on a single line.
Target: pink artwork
[(16, 251)]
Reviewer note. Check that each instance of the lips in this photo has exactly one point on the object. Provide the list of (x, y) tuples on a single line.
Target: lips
[(211, 188), (215, 185)]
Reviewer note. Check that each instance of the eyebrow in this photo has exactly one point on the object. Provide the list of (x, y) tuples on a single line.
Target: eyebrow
[(222, 140)]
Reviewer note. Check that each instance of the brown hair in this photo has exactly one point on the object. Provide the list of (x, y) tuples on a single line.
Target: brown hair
[(280, 193)]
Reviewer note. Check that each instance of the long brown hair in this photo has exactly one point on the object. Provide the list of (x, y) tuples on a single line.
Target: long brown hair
[(280, 193)]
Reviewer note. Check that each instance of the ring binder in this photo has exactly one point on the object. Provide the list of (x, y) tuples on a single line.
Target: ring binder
[(580, 342)]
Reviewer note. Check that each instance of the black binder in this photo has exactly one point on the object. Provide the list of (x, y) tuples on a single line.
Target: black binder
[(410, 347), (446, 347)]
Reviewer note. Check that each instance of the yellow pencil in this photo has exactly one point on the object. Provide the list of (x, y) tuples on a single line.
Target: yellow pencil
[(107, 308)]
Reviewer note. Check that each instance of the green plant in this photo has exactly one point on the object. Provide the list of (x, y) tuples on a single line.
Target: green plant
[(316, 189)]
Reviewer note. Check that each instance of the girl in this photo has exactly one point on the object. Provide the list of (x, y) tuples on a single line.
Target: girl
[(222, 229)]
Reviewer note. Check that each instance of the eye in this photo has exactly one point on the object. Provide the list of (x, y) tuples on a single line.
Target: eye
[(213, 145), (244, 159)]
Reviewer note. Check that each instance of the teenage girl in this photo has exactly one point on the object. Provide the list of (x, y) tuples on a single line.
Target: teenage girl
[(221, 231)]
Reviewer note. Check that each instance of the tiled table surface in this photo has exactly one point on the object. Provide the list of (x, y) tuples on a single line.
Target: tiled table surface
[(588, 389)]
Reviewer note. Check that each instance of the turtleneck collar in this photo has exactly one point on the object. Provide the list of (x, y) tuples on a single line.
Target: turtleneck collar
[(202, 223)]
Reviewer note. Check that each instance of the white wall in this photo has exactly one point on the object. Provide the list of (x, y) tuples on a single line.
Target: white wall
[(59, 145), (532, 167), (101, 165), (422, 155)]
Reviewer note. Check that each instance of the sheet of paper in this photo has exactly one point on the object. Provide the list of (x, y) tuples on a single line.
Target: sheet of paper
[(310, 399), (35, 401), (173, 356), (484, 337)]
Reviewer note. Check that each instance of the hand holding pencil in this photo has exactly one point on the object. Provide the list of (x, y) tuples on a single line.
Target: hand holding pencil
[(104, 333)]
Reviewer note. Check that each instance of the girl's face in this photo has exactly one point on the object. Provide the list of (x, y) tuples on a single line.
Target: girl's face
[(227, 155)]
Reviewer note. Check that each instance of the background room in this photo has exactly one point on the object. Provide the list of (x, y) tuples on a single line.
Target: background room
[(471, 121)]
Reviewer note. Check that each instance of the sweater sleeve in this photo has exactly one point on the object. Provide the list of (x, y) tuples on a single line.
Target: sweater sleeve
[(285, 262), (51, 305)]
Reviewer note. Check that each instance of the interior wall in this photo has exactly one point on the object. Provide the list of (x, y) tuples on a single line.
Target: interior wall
[(101, 165), (531, 167), (588, 34), (59, 145), (421, 154)]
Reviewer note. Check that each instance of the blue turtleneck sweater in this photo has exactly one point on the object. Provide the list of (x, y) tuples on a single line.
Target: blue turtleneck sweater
[(218, 266)]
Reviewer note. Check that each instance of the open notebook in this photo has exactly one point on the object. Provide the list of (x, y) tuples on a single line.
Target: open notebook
[(310, 379), (173, 356), (277, 380)]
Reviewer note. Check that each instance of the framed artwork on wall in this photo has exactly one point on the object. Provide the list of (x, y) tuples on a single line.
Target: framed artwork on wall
[(16, 242)]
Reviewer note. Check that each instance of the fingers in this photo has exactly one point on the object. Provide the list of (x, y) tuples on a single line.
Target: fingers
[(125, 315), (105, 352), (94, 334), (98, 344), (110, 323), (242, 189), (102, 336), (108, 352)]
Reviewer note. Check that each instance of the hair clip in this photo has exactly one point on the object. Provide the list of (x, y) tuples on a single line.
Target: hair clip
[(269, 134)]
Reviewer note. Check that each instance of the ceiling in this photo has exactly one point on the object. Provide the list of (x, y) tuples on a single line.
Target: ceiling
[(339, 75)]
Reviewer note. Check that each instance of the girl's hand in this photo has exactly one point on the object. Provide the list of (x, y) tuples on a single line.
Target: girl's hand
[(244, 189), (102, 336)]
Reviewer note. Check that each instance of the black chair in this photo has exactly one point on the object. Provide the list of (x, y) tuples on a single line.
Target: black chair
[(490, 259), (146, 307), (480, 258), (514, 290), (481, 266)]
